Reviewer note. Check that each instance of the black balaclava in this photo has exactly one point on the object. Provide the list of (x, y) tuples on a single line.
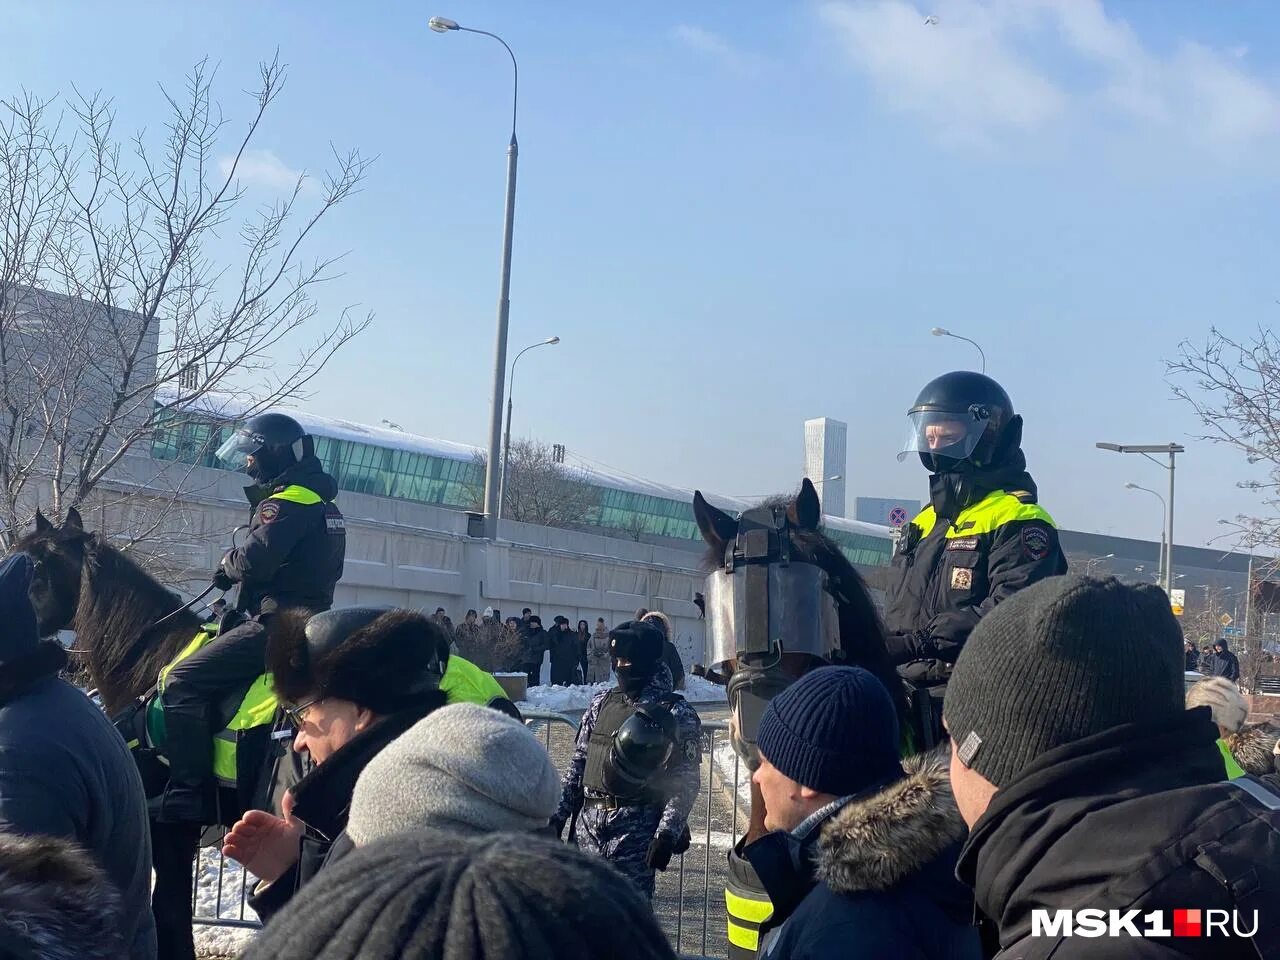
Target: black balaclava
[(961, 483), (641, 644)]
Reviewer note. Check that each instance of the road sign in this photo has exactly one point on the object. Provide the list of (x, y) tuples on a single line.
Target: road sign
[(897, 517), (1178, 601), (1225, 620), (1233, 633)]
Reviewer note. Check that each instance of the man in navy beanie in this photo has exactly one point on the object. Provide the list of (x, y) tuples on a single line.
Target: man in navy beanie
[(861, 858)]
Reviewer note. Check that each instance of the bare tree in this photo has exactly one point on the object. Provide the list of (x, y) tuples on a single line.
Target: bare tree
[(1234, 388), (539, 490), (121, 312)]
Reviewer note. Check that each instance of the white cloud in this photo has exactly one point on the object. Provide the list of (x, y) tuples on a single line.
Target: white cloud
[(261, 168), (716, 47), (989, 68)]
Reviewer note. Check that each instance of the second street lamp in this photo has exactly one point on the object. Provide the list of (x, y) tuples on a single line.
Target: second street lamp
[(511, 392), (1146, 450), (492, 481)]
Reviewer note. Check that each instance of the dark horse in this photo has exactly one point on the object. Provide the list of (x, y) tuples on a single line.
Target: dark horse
[(84, 584), (862, 638)]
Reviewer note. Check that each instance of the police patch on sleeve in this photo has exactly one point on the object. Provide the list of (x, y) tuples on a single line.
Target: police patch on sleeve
[(1035, 542), (269, 510), (692, 750)]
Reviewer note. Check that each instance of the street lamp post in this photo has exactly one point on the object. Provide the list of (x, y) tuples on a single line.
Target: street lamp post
[(1146, 450), (1088, 564), (506, 443), (1164, 520), (491, 474), (944, 332)]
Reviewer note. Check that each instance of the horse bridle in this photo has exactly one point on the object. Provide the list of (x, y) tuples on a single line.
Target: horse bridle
[(167, 617)]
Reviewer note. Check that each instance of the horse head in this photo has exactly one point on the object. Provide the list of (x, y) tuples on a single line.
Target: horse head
[(786, 533), (58, 553)]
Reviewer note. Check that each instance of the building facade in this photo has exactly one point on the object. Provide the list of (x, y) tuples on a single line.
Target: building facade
[(826, 445)]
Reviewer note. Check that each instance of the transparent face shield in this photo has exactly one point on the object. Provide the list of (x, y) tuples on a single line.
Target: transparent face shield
[(942, 433), (236, 450)]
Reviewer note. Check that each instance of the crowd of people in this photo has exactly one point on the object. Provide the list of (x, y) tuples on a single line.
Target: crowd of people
[(578, 654), (1059, 762)]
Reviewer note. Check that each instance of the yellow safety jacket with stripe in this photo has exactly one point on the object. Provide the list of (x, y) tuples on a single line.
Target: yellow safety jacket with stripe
[(464, 682), (947, 576), (257, 709)]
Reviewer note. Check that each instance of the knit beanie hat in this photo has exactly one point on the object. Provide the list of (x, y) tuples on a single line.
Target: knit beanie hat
[(1224, 700), (1064, 659), (463, 767), (428, 894), (834, 730), (18, 634)]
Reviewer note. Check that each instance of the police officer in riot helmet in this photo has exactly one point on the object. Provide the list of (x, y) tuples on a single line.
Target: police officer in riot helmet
[(634, 777), (983, 536), (290, 558)]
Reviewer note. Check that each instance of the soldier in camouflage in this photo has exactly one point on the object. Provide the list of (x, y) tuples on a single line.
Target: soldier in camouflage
[(634, 775)]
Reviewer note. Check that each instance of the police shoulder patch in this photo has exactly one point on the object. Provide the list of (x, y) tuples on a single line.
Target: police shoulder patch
[(1035, 542), (269, 510), (692, 749)]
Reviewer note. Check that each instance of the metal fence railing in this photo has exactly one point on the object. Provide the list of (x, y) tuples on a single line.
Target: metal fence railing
[(689, 900)]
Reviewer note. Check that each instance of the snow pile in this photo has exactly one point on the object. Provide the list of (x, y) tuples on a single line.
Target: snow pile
[(726, 762), (225, 902), (569, 699)]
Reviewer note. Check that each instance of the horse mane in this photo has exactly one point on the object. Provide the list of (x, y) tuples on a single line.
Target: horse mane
[(119, 604)]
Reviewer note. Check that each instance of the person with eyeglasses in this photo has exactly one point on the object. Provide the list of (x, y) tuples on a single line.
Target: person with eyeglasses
[(351, 681)]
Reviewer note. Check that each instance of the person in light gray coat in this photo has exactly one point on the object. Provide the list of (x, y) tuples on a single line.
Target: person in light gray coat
[(598, 654), (64, 770)]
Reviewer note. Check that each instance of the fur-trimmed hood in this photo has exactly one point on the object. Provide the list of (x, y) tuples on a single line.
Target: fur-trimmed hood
[(874, 842), (56, 902), (1252, 748)]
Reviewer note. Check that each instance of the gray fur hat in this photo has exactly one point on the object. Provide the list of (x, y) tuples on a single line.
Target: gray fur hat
[(55, 902), (463, 768)]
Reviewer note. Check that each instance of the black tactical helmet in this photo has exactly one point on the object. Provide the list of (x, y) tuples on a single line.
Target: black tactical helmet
[(959, 417), (640, 749), (276, 442)]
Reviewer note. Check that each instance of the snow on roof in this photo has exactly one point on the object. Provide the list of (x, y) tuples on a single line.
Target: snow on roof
[(224, 406)]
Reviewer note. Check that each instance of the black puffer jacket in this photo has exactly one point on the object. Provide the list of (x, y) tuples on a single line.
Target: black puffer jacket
[(322, 800), (294, 551), (1137, 817)]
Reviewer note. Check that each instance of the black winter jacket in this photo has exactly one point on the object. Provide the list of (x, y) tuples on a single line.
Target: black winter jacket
[(66, 772), (565, 653), (293, 554), (322, 800), (949, 573), (871, 876), (1224, 664), (1138, 817)]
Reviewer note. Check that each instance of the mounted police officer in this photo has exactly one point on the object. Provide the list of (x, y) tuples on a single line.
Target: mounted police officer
[(634, 777), (982, 538), (292, 558)]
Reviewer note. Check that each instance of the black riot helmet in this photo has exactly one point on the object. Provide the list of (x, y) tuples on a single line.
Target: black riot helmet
[(274, 441), (640, 749), (961, 418)]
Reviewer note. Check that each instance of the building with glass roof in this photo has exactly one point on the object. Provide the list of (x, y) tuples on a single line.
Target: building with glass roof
[(392, 463)]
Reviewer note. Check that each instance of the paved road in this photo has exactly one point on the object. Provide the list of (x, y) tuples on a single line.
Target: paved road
[(693, 886)]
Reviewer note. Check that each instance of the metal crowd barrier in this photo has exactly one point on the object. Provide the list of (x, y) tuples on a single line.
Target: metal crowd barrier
[(689, 901)]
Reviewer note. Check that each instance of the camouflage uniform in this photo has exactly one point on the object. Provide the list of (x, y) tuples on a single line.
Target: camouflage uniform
[(622, 836)]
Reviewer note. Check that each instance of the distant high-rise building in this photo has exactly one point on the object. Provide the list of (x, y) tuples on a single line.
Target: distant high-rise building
[(826, 442)]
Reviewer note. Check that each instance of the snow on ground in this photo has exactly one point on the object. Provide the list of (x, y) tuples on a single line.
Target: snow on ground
[(569, 699), (226, 902), (727, 762)]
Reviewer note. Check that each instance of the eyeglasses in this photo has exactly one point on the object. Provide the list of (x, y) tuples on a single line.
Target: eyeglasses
[(298, 715)]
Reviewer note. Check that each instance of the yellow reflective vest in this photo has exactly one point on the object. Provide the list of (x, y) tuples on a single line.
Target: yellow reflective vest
[(464, 682)]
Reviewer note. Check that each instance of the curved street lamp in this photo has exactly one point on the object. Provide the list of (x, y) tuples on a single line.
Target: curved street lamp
[(944, 332), (492, 477), (506, 444)]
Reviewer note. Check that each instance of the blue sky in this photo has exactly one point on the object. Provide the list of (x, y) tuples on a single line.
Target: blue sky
[(737, 215)]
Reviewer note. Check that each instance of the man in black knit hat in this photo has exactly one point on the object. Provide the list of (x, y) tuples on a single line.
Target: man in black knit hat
[(1086, 784), (634, 777)]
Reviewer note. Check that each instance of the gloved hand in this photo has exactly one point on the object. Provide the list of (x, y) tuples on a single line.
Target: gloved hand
[(660, 849), (222, 581)]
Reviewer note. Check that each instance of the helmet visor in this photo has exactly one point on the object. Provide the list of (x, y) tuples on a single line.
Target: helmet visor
[(942, 433), (235, 452)]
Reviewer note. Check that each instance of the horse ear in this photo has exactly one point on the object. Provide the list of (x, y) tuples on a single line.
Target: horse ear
[(717, 527), (42, 522), (807, 507), (73, 521)]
